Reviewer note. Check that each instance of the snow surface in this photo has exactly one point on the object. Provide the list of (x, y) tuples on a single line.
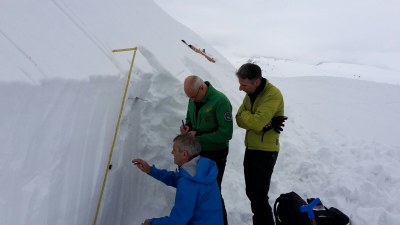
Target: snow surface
[(61, 89)]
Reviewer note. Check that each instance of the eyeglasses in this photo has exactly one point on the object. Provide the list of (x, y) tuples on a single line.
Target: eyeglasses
[(194, 97)]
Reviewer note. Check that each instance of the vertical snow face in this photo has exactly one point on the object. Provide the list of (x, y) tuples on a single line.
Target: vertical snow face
[(54, 142)]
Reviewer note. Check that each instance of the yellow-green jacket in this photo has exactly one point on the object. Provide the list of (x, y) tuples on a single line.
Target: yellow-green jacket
[(254, 116)]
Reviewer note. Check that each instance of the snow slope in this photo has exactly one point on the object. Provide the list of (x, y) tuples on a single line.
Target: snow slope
[(60, 94)]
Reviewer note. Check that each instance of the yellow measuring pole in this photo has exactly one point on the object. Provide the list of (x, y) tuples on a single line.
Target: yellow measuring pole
[(124, 50), (116, 129)]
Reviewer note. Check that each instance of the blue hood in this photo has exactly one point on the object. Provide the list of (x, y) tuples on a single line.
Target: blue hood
[(199, 170)]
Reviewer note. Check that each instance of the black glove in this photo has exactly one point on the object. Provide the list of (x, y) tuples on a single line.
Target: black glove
[(277, 123)]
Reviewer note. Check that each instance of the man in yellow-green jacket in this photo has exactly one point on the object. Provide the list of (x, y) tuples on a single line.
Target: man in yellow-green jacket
[(260, 106)]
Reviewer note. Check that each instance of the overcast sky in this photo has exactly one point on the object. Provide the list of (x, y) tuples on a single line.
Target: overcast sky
[(310, 31)]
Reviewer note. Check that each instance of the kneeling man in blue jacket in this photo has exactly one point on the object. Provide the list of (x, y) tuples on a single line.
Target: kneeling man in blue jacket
[(197, 200)]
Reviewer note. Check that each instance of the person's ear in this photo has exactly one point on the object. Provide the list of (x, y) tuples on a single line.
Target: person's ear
[(185, 154)]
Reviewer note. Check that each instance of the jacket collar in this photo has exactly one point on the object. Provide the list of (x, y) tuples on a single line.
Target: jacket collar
[(210, 92), (259, 89)]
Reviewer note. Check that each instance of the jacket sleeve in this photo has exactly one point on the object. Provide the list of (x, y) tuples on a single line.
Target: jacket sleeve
[(224, 125), (240, 110), (169, 178), (264, 113), (185, 201), (188, 120)]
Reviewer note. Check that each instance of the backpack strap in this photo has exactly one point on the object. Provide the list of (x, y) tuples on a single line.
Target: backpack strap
[(277, 220)]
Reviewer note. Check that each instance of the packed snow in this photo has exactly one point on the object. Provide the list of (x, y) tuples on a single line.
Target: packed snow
[(61, 89)]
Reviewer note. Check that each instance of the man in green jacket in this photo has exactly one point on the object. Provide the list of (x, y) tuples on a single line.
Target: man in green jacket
[(262, 103), (209, 118)]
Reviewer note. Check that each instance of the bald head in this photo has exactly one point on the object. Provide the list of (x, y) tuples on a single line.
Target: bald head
[(192, 83), (192, 86)]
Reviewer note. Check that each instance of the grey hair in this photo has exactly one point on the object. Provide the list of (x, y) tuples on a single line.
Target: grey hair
[(188, 143)]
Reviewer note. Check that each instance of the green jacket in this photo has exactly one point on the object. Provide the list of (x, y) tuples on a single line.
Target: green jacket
[(253, 117), (213, 122)]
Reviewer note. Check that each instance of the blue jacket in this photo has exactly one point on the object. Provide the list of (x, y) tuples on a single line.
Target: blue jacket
[(197, 200)]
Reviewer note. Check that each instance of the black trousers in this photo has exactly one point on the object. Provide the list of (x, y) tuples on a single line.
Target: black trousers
[(258, 168), (219, 157)]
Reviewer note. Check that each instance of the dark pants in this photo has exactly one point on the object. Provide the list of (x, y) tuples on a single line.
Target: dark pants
[(258, 168), (219, 157)]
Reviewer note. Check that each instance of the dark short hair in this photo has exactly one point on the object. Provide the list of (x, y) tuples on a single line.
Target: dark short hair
[(249, 71), (188, 143)]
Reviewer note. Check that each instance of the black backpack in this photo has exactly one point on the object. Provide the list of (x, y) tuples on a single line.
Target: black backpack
[(287, 212)]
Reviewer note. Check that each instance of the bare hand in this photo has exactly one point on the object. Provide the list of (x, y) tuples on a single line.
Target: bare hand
[(142, 165), (146, 222), (192, 133), (184, 129)]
